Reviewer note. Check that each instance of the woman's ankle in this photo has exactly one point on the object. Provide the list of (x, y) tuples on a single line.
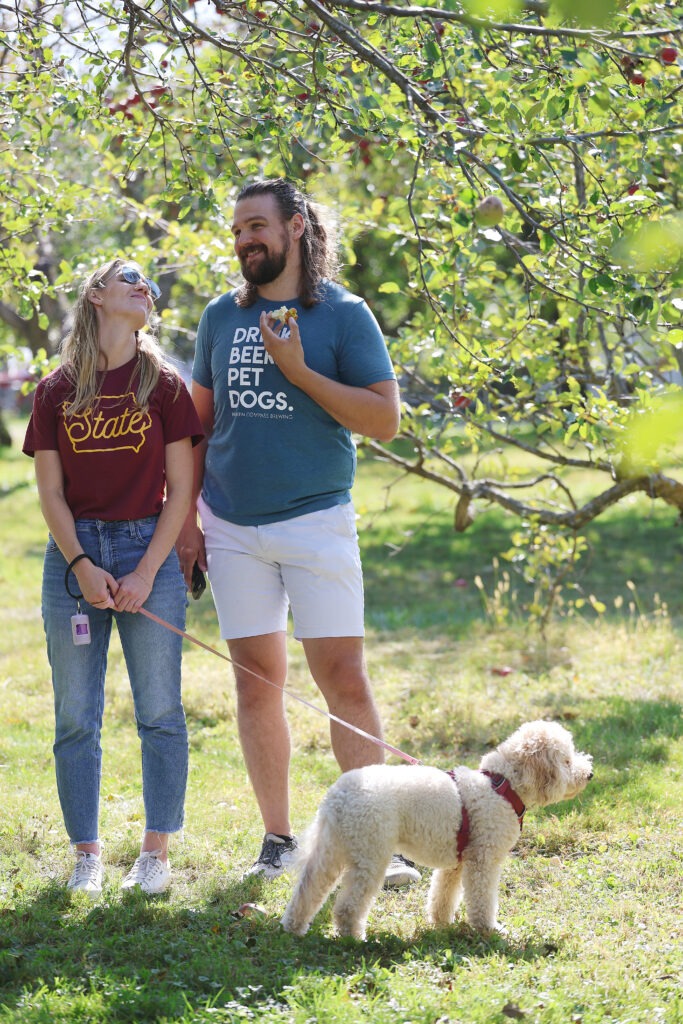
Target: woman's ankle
[(95, 848), (157, 843)]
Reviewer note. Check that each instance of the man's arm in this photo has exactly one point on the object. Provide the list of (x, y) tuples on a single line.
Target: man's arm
[(373, 411)]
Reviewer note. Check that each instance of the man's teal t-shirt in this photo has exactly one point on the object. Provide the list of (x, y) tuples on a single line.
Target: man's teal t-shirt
[(274, 453)]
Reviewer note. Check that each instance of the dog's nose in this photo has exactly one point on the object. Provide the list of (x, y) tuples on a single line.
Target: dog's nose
[(590, 776)]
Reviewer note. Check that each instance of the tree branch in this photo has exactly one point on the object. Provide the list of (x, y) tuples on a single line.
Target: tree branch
[(486, 25), (655, 485)]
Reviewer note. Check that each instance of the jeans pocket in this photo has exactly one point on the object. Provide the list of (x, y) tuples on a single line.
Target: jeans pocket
[(142, 530)]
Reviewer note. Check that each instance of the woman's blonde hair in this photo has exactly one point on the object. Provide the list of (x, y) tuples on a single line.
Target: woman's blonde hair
[(80, 350)]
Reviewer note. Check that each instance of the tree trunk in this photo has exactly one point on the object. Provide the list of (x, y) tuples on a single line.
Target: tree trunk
[(5, 436)]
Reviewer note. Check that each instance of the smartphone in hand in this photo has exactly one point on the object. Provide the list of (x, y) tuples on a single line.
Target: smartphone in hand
[(198, 582)]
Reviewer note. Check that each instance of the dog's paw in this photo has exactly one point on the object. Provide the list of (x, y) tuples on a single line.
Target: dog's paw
[(440, 920), (489, 930), (291, 926), (359, 936)]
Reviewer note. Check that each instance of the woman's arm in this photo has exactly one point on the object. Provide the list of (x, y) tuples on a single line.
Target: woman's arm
[(190, 542), (97, 585), (134, 589)]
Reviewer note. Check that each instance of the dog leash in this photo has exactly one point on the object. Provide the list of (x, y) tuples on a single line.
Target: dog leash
[(327, 714)]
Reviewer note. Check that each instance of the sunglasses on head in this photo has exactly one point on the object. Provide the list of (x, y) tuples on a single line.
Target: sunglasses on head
[(131, 275)]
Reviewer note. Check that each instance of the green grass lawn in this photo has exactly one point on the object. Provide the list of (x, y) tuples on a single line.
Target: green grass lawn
[(591, 898)]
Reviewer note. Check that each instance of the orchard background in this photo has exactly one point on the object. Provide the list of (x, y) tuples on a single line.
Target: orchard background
[(541, 332), (536, 481)]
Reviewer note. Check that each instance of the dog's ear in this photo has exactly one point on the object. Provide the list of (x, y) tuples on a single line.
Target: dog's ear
[(551, 768), (544, 758)]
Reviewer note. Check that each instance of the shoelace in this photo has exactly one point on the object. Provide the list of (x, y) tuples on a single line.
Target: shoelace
[(87, 867), (272, 852), (147, 865)]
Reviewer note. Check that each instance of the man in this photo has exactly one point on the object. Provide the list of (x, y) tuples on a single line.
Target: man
[(278, 403)]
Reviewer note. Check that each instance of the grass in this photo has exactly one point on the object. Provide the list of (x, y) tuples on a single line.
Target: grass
[(591, 898)]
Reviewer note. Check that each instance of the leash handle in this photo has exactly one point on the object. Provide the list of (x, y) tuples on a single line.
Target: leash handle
[(340, 721)]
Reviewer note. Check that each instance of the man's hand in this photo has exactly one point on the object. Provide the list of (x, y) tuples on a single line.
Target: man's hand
[(287, 353), (190, 549)]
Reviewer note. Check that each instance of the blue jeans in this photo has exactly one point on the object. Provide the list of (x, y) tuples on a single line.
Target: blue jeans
[(153, 659)]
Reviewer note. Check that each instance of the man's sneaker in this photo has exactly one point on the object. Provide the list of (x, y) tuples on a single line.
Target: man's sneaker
[(277, 855), (401, 871), (87, 875), (149, 873)]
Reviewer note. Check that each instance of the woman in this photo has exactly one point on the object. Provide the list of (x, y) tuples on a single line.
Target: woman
[(112, 432)]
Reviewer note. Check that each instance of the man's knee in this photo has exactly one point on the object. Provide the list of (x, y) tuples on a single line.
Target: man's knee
[(349, 687), (254, 694)]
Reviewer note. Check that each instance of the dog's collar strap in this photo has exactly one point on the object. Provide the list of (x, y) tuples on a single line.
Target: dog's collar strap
[(504, 789), (464, 830)]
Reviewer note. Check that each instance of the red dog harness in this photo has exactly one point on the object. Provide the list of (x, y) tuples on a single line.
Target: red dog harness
[(501, 785)]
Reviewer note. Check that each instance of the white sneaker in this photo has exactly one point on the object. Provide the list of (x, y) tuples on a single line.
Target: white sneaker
[(150, 873), (277, 855), (401, 871), (87, 875)]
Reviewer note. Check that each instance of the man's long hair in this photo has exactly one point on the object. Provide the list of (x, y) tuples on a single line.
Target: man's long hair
[(318, 243)]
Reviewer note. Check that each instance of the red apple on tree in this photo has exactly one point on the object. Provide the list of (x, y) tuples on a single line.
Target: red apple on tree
[(459, 400), (668, 54)]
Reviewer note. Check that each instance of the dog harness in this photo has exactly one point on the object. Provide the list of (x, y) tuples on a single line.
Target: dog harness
[(501, 786)]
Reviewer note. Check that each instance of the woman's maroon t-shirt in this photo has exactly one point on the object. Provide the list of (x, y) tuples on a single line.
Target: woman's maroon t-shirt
[(113, 454)]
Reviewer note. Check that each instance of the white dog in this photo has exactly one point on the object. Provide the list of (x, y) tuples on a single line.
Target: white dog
[(463, 823)]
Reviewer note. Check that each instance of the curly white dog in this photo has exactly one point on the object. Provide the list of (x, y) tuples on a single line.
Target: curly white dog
[(463, 823)]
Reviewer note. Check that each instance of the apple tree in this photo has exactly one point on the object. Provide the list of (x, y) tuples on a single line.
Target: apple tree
[(507, 175)]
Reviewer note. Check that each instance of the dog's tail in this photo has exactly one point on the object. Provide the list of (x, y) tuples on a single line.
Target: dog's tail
[(319, 864), (322, 857)]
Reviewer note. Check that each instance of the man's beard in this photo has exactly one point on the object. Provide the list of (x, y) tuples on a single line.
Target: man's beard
[(268, 267)]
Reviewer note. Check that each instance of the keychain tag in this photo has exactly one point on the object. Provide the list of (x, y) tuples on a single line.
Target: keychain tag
[(80, 628)]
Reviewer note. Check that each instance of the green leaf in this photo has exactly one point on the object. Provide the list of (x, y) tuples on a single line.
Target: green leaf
[(587, 12), (656, 246)]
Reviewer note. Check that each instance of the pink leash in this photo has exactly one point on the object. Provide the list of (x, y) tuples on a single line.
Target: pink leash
[(326, 714)]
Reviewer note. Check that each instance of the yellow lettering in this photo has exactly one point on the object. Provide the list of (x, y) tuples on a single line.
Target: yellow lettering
[(130, 426)]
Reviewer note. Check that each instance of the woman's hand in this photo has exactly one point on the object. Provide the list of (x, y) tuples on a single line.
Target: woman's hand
[(97, 586), (133, 591)]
